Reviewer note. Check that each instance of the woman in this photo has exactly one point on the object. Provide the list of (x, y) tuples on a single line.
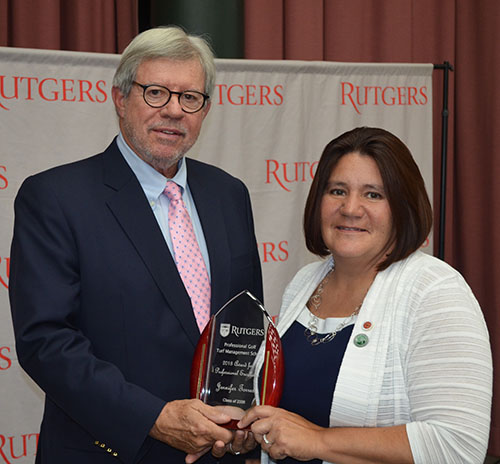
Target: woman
[(393, 335)]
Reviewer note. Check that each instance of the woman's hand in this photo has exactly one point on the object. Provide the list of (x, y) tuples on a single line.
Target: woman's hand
[(282, 433)]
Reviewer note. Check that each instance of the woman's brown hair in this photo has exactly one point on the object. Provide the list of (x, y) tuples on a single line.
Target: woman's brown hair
[(404, 186)]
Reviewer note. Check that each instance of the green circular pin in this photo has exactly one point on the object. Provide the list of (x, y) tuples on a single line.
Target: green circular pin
[(361, 340)]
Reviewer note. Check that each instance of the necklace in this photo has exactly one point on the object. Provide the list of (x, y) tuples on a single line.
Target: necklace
[(311, 331)]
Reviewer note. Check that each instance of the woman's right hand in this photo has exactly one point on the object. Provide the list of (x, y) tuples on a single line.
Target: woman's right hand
[(282, 433)]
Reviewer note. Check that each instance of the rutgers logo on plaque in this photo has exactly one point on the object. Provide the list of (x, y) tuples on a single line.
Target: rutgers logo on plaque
[(223, 368), (225, 329)]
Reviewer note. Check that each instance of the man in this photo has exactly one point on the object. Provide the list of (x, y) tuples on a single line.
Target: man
[(105, 322)]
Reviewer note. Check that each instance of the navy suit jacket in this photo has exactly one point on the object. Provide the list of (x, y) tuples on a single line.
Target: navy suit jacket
[(103, 323)]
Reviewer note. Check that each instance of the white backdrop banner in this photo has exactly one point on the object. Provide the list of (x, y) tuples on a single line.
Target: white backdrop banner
[(268, 125)]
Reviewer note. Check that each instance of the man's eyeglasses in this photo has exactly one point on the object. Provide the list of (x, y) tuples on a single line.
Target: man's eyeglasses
[(158, 96)]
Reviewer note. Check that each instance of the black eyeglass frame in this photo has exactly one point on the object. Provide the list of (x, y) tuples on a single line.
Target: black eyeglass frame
[(170, 93)]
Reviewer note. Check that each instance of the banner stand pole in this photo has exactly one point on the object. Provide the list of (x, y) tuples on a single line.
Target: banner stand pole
[(446, 67)]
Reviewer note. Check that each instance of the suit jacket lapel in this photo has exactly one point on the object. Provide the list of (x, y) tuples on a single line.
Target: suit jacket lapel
[(209, 208), (131, 209)]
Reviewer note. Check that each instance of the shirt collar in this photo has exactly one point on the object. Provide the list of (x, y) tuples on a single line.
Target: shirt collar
[(152, 182)]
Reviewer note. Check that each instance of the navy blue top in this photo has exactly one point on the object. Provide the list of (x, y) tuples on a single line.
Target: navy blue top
[(311, 372)]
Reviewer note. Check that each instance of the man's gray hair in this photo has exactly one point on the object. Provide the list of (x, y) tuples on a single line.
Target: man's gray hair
[(164, 42)]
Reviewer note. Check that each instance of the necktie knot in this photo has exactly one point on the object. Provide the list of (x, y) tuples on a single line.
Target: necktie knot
[(173, 191)]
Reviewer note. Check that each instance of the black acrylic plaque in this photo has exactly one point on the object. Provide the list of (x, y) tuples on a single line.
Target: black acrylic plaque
[(223, 366)]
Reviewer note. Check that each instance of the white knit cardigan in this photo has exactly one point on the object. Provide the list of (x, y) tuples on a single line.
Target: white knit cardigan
[(427, 363)]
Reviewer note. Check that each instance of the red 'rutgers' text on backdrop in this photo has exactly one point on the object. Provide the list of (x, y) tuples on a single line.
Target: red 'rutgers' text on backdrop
[(362, 95), (5, 357), (248, 95), (15, 447), (51, 89)]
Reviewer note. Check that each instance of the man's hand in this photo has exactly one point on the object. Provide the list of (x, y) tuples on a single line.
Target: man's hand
[(191, 426), (243, 441)]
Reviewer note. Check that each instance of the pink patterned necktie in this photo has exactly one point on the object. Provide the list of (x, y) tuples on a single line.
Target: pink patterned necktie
[(188, 257)]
